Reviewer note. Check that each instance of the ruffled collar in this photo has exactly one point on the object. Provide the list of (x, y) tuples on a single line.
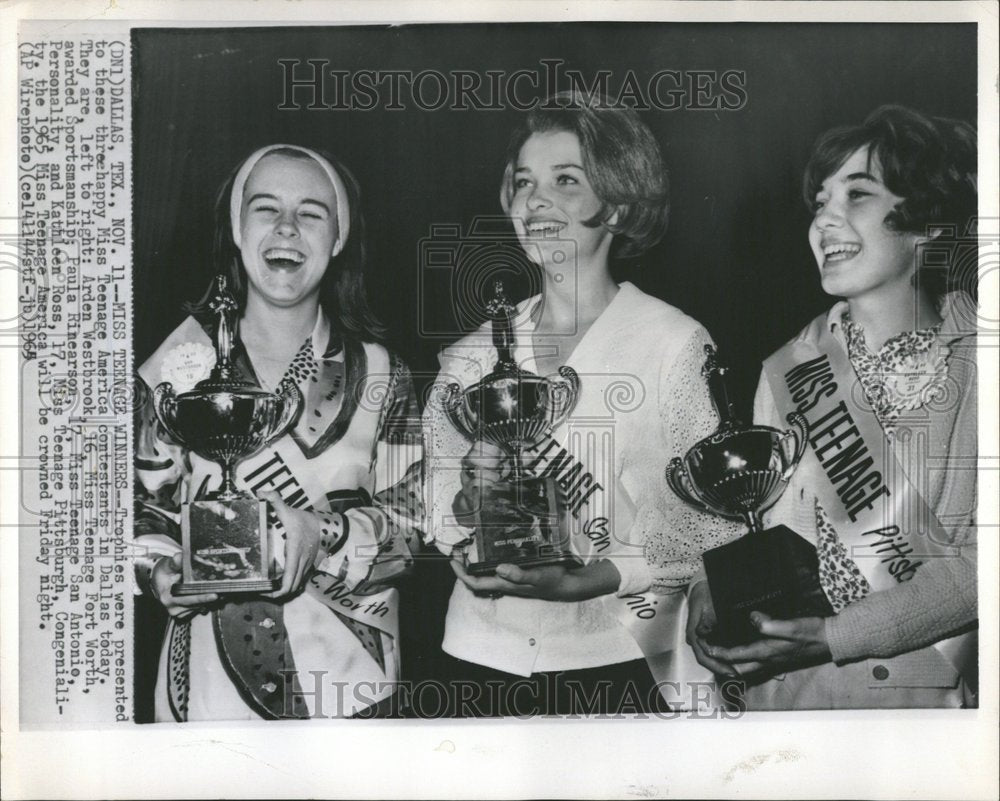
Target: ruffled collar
[(909, 369), (958, 319), (906, 344)]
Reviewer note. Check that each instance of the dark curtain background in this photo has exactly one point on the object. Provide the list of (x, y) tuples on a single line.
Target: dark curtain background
[(735, 257)]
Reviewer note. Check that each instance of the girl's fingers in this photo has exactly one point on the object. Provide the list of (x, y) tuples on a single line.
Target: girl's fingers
[(281, 509), (716, 666), (483, 584), (513, 574)]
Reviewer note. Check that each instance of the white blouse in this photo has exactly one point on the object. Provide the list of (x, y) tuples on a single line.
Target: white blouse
[(642, 401)]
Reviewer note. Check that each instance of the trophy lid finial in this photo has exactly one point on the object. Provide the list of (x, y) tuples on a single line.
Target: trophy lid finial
[(714, 374), (499, 305), (224, 305), (501, 312), (712, 366)]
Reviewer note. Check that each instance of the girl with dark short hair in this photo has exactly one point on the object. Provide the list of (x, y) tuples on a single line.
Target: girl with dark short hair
[(887, 488)]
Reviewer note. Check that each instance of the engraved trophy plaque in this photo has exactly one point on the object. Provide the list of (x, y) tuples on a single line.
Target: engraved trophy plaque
[(519, 521), (226, 419), (739, 472)]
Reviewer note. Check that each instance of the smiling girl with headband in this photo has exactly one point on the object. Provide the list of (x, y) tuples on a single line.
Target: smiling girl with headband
[(343, 482)]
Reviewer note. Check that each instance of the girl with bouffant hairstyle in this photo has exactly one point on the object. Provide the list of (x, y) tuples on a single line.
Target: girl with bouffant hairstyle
[(584, 184), (621, 159)]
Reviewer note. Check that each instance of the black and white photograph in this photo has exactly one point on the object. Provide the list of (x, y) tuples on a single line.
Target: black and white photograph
[(501, 402)]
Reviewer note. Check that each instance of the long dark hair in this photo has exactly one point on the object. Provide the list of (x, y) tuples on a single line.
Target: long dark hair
[(342, 292)]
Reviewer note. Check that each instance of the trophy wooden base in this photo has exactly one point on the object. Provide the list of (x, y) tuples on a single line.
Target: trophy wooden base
[(775, 572), (225, 547), (230, 587), (519, 524)]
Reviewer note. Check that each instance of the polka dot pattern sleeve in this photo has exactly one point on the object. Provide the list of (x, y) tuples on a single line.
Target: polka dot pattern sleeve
[(446, 446), (376, 543), (677, 533)]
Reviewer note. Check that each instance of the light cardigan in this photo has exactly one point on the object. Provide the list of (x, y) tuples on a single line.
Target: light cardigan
[(941, 598), (642, 401)]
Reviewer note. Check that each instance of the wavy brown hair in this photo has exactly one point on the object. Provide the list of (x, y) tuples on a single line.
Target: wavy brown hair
[(621, 159)]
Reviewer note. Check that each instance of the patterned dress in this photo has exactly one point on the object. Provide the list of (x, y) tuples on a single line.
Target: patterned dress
[(354, 458)]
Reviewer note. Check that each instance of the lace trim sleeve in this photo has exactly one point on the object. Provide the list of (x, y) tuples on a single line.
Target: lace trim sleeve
[(681, 533)]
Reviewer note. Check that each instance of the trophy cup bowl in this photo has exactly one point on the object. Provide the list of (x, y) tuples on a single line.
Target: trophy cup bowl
[(226, 421), (739, 472), (513, 409)]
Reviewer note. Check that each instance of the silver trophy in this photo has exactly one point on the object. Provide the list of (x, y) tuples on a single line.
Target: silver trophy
[(226, 419), (518, 521), (739, 472)]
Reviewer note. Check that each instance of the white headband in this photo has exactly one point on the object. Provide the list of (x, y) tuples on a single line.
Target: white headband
[(236, 198)]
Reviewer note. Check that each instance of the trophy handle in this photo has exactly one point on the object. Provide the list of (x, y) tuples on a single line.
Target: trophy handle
[(680, 483), (291, 405), (165, 406), (452, 401), (800, 434), (564, 393)]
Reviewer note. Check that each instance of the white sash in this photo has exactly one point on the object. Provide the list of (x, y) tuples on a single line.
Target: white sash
[(655, 621), (658, 622), (855, 474), (379, 610)]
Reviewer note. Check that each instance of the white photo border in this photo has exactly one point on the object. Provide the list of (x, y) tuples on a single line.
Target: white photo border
[(903, 753)]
